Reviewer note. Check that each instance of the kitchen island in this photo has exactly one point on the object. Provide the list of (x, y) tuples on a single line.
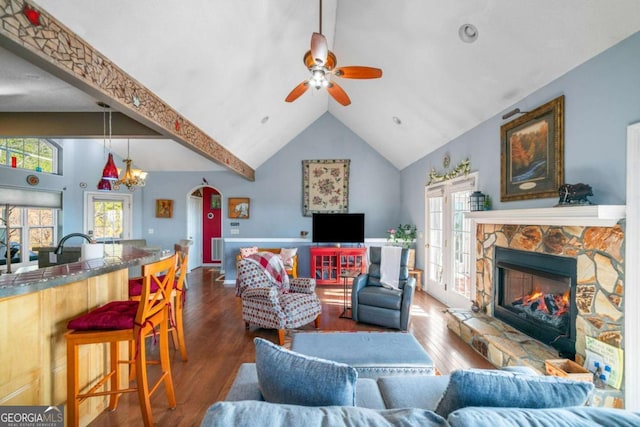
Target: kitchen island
[(35, 307)]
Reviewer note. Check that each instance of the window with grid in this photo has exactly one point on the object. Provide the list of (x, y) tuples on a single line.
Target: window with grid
[(28, 228), (36, 154), (435, 238), (461, 231)]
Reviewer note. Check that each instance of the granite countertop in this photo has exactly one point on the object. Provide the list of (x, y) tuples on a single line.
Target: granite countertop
[(116, 258)]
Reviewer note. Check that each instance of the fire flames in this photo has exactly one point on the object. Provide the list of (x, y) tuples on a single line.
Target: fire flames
[(552, 304)]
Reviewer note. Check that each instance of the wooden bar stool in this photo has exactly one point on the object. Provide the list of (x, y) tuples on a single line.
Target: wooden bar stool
[(178, 295), (125, 321)]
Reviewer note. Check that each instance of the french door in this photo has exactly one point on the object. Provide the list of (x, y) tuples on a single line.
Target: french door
[(448, 241), (108, 216)]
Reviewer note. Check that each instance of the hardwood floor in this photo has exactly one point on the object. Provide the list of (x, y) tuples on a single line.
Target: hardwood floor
[(217, 343)]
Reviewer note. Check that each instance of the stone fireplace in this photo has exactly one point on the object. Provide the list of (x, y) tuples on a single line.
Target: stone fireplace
[(589, 237), (535, 293)]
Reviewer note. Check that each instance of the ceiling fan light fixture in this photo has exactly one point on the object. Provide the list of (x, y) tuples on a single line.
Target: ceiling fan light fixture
[(321, 63), (468, 33), (319, 78)]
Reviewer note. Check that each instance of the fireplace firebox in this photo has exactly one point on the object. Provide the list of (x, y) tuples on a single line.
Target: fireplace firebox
[(535, 293)]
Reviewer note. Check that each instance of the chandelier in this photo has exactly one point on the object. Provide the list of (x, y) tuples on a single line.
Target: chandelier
[(132, 178)]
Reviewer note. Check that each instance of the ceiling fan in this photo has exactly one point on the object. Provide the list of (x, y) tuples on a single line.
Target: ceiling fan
[(321, 62)]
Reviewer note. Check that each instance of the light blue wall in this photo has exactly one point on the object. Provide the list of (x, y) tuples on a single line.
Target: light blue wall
[(276, 194), (602, 97)]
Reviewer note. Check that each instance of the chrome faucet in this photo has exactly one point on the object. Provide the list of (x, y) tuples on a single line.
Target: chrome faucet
[(60, 246)]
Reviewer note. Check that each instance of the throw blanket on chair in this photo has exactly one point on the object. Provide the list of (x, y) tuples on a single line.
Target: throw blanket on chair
[(273, 267), (390, 266)]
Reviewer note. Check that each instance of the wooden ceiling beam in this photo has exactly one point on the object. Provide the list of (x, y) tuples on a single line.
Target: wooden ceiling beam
[(72, 125)]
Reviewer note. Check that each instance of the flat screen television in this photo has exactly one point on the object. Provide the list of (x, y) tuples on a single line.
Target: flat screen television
[(338, 228)]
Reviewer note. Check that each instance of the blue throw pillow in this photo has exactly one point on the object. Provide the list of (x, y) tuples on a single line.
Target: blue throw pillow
[(494, 388), (288, 377), (576, 416)]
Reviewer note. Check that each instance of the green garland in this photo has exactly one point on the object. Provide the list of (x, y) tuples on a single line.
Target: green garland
[(463, 168)]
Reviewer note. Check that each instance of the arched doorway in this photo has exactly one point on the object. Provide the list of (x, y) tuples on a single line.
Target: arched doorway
[(204, 227)]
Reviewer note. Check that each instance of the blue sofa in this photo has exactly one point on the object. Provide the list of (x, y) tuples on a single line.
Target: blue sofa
[(285, 388)]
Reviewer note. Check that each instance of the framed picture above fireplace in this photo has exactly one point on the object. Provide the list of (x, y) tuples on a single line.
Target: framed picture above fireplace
[(532, 153)]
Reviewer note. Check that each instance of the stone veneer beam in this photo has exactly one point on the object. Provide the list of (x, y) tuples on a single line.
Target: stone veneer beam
[(55, 48)]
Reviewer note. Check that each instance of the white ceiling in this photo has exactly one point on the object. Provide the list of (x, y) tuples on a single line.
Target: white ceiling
[(227, 64)]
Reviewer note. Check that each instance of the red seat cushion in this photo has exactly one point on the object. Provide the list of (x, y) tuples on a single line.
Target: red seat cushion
[(111, 316), (135, 286)]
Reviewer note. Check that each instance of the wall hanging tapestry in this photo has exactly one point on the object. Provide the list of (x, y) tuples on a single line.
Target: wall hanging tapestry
[(325, 186)]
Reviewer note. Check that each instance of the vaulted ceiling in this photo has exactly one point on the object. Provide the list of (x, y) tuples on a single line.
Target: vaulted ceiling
[(227, 65)]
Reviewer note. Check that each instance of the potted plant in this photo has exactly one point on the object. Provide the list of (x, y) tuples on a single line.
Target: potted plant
[(403, 236)]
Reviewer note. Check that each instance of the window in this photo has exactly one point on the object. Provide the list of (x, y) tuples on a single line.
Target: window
[(448, 240), (28, 228), (108, 216), (36, 154)]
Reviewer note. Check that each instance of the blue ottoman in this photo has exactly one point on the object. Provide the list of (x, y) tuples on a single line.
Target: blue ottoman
[(372, 354)]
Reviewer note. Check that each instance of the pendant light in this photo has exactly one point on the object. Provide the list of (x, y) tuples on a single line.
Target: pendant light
[(105, 181), (110, 171), (104, 185)]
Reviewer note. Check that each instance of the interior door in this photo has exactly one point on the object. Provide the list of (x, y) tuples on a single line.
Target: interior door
[(448, 241), (194, 232)]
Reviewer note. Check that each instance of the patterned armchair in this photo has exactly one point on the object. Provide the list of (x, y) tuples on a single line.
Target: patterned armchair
[(270, 299)]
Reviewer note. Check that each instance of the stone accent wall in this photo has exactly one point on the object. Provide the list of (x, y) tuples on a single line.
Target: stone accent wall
[(61, 48), (600, 271)]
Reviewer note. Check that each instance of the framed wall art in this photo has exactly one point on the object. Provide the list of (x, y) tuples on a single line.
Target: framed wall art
[(239, 207), (164, 208), (325, 186), (532, 153)]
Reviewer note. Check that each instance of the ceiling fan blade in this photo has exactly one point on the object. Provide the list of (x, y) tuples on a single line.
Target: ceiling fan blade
[(297, 91), (319, 48), (357, 72), (338, 94)]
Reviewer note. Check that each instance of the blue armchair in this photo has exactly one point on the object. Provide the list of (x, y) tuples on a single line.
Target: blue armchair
[(374, 303)]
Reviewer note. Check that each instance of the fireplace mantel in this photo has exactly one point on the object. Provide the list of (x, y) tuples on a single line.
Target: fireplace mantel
[(588, 216)]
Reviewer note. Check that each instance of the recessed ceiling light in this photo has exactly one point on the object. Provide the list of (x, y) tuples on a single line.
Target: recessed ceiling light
[(468, 33), (264, 120), (396, 120)]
